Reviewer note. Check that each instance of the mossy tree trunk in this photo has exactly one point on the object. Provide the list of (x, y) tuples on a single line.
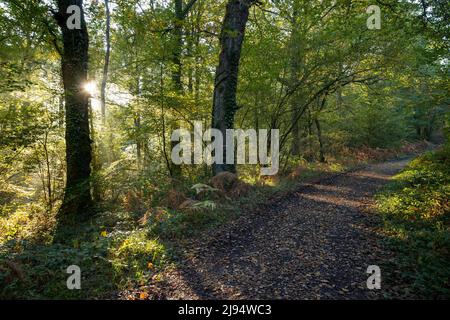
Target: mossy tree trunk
[(226, 80), (77, 203)]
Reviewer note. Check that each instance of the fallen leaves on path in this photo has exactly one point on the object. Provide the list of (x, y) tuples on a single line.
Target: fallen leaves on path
[(314, 243)]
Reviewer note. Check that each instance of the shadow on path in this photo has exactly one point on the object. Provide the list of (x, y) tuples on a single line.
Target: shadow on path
[(314, 243)]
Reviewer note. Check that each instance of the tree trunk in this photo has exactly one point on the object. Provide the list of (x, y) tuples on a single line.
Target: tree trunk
[(96, 164), (163, 121), (197, 61), (296, 62), (177, 73), (106, 65), (190, 49), (177, 47), (177, 68), (77, 202), (226, 80), (319, 137), (137, 120)]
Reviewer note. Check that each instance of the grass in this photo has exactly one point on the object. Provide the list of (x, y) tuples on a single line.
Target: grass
[(416, 212)]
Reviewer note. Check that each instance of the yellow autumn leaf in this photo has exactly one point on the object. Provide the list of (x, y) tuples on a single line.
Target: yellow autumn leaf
[(143, 295), (150, 265)]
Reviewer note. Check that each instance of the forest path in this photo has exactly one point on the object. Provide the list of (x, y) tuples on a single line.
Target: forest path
[(314, 243)]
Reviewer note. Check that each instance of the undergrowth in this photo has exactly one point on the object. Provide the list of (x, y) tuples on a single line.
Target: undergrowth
[(416, 212), (132, 237)]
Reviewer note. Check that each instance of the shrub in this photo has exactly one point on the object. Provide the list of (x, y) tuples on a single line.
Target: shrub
[(416, 213)]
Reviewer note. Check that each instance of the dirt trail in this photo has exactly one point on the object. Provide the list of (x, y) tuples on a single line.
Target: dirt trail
[(315, 243)]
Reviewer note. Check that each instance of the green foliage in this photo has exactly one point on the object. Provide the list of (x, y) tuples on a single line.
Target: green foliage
[(45, 276), (177, 224), (376, 125), (416, 212), (367, 89), (112, 253)]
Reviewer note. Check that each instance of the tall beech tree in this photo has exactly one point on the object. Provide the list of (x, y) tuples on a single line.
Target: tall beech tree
[(181, 12), (77, 201), (226, 79)]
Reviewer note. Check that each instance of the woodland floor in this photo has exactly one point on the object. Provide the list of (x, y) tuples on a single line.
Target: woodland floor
[(313, 243)]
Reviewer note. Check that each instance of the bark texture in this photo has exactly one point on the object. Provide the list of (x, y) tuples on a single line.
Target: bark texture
[(226, 80), (77, 202)]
